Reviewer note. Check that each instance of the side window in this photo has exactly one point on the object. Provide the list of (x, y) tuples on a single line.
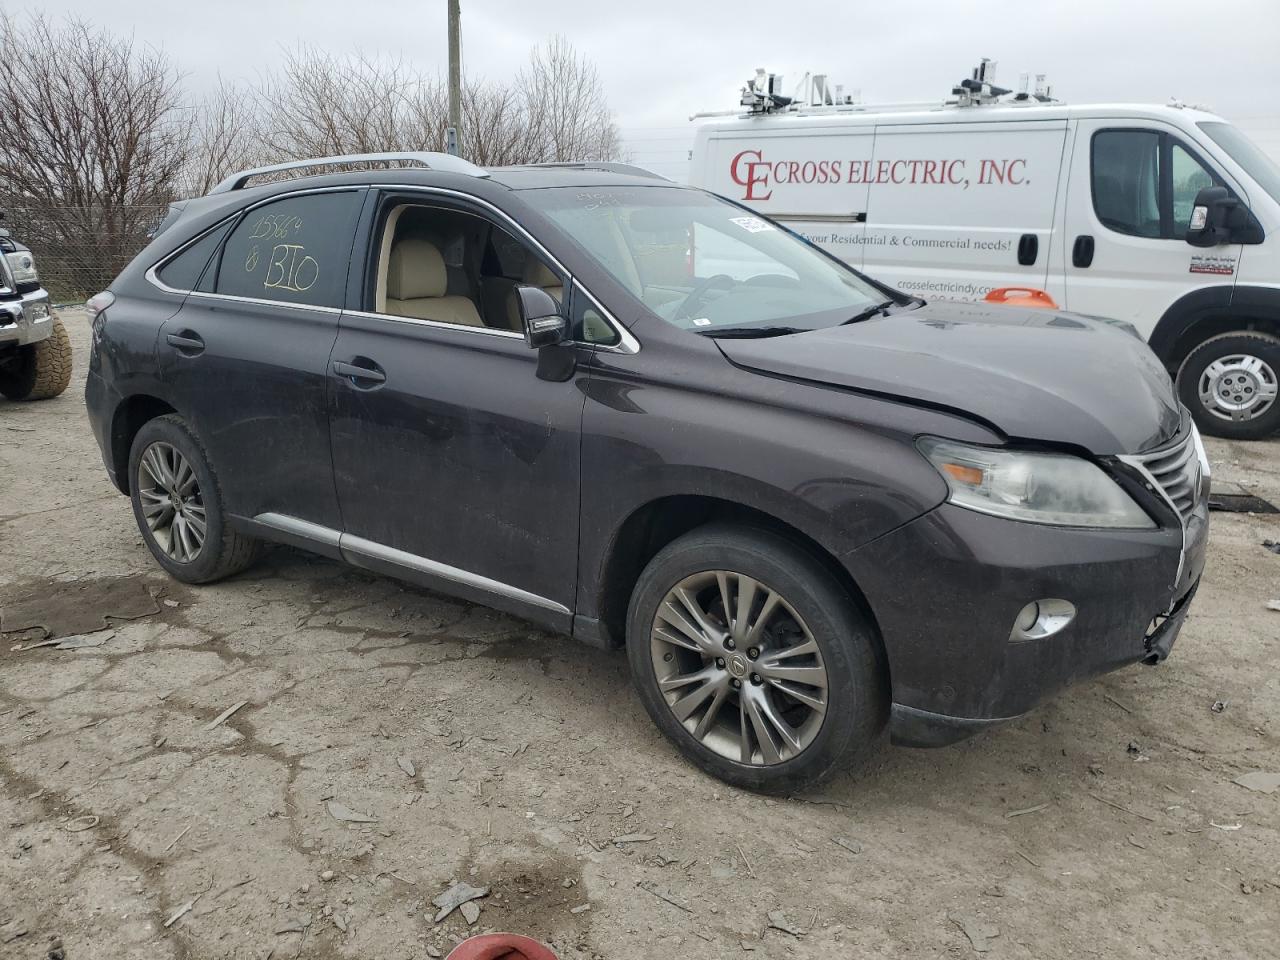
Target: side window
[(183, 271), (1189, 178), (295, 250), (1126, 181)]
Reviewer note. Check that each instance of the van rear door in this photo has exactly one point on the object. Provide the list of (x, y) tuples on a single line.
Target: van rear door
[(1129, 197), (957, 209)]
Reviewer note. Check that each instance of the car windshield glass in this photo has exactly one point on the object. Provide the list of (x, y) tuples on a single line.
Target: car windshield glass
[(702, 263), (1246, 153)]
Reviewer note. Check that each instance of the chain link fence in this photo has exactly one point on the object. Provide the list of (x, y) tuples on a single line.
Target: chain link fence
[(79, 250)]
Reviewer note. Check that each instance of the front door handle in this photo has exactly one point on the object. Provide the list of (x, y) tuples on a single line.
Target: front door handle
[(360, 368), (1082, 251), (188, 342)]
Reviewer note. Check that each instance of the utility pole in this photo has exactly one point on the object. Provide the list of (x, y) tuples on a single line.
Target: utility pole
[(455, 81)]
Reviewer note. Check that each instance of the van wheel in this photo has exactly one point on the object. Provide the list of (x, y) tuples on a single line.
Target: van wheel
[(178, 505), (1230, 385), (752, 659)]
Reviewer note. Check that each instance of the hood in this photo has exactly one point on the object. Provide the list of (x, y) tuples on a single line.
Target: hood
[(1033, 374)]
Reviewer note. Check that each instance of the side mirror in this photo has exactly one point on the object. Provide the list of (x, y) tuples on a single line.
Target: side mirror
[(1217, 217), (540, 317)]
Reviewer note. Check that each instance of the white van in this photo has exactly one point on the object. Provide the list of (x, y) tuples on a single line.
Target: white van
[(1100, 205)]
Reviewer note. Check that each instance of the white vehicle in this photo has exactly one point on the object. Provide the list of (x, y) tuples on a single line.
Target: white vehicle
[(1166, 217)]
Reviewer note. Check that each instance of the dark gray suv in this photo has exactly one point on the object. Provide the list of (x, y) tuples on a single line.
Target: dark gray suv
[(809, 507)]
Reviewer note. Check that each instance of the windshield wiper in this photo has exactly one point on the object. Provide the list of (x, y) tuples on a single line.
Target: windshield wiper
[(879, 310), (748, 333)]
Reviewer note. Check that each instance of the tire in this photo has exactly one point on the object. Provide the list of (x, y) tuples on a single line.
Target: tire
[(41, 370), (856, 696), (222, 551), (1248, 365)]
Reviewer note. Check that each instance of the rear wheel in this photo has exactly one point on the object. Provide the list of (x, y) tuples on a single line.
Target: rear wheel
[(753, 660), (178, 505), (38, 371), (1231, 383)]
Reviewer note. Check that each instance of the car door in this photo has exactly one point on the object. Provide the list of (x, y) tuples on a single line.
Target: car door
[(455, 463), (246, 359), (1129, 200)]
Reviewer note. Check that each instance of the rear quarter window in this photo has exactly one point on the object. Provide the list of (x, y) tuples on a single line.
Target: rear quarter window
[(295, 250), (183, 271)]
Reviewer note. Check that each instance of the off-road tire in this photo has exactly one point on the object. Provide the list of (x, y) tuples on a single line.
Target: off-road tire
[(858, 689), (41, 370), (1239, 342), (225, 551)]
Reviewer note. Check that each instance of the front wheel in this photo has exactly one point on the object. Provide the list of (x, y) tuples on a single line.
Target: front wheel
[(1230, 383), (753, 660), (39, 371)]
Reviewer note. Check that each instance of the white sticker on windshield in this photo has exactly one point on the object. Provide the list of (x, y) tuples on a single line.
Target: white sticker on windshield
[(702, 321), (751, 224)]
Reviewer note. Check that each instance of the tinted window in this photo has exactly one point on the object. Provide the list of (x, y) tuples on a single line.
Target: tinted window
[(296, 250), (1126, 181), (183, 271)]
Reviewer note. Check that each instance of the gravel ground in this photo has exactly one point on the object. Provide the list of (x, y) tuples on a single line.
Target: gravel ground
[(1105, 824)]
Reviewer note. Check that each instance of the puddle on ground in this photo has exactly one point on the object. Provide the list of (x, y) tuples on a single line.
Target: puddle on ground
[(64, 608)]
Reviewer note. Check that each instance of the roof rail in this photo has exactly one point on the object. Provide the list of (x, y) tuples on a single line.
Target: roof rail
[(443, 162), (608, 166)]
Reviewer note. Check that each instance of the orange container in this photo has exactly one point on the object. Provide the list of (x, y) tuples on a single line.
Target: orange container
[(500, 946), (1021, 297)]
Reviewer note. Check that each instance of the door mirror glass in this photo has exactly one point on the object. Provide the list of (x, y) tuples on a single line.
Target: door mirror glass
[(540, 317)]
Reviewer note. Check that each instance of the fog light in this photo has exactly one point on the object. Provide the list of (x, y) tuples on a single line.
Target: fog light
[(1041, 618)]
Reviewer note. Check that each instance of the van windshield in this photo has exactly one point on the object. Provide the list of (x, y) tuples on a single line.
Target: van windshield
[(1246, 153), (706, 265)]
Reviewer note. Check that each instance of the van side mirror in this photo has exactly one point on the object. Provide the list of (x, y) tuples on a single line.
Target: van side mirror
[(1217, 217), (540, 317)]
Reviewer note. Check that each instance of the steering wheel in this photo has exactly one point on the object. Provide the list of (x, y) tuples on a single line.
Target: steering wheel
[(699, 293)]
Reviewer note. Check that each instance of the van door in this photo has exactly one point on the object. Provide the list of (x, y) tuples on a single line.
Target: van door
[(958, 209), (1129, 199), (809, 179)]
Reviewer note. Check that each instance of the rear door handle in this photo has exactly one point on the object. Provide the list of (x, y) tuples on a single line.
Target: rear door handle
[(1028, 249), (1082, 251), (360, 369), (188, 342)]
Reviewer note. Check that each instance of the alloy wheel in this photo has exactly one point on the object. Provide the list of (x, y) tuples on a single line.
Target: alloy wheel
[(172, 505), (739, 668), (1238, 387)]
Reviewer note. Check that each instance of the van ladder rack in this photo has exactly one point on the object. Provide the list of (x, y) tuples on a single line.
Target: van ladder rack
[(444, 162)]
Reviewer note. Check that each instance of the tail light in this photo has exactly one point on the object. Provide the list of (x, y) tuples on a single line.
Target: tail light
[(99, 302)]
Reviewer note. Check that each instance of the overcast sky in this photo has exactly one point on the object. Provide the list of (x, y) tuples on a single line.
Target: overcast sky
[(664, 59)]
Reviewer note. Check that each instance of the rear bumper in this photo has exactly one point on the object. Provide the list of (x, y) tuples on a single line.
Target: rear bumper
[(25, 319), (100, 402), (947, 588)]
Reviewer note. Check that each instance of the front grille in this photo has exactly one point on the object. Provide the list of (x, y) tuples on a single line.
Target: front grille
[(1176, 472)]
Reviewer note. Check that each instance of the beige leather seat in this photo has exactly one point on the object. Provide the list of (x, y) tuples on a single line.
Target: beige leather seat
[(416, 285), (536, 274)]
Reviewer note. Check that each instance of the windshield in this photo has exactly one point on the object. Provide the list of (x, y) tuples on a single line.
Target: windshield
[(704, 264), (1245, 152)]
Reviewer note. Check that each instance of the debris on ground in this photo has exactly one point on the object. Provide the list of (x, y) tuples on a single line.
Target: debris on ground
[(635, 838), (82, 640), (580, 908), (778, 921), (1226, 826), (979, 932), (1023, 812), (665, 897), (327, 875), (1219, 706), (1272, 545), (853, 846), (406, 765), (1260, 780), (182, 911), (225, 715), (470, 911), (344, 813), (81, 824), (1273, 605), (455, 897)]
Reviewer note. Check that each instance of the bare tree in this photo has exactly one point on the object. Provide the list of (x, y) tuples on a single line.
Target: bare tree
[(565, 103), (92, 143), (225, 137)]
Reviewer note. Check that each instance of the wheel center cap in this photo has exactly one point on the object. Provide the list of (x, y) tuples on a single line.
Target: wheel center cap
[(738, 665)]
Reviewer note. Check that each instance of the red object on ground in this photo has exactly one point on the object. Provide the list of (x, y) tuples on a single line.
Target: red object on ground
[(500, 946), (1021, 297)]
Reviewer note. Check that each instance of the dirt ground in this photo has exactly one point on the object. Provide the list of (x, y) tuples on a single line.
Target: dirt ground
[(1106, 824)]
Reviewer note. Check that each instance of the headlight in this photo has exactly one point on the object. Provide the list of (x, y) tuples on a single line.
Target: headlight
[(23, 266), (1037, 487)]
